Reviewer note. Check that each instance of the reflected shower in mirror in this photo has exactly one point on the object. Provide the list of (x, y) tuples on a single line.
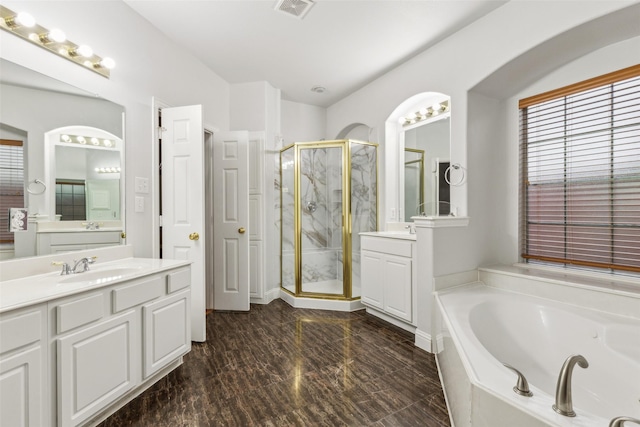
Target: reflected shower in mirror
[(33, 107), (427, 193)]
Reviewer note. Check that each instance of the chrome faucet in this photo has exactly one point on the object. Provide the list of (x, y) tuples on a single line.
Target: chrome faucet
[(66, 269), (619, 421), (564, 403), (411, 228), (83, 263)]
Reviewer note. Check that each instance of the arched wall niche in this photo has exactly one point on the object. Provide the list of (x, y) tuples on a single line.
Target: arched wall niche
[(359, 131)]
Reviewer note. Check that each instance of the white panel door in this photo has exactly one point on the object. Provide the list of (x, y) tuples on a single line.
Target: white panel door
[(183, 231), (231, 221)]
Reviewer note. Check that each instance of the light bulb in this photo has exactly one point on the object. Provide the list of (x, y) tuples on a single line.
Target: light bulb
[(57, 35), (95, 141), (108, 63), (84, 50), (97, 169), (436, 108), (65, 138), (87, 63), (107, 143), (81, 139), (26, 20)]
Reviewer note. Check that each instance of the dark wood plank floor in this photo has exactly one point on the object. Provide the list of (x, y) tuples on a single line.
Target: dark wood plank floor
[(280, 366)]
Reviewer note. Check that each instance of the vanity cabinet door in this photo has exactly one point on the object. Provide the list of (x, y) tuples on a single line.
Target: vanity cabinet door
[(372, 272), (397, 286), (22, 362), (96, 365), (166, 331)]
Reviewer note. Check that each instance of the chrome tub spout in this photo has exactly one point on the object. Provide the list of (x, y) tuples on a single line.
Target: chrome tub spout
[(564, 403)]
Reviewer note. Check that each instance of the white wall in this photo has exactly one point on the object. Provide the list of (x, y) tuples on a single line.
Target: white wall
[(148, 65), (454, 67), (303, 122)]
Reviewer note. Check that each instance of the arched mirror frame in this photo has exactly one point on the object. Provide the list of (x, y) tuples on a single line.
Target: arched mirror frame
[(394, 149), (52, 139)]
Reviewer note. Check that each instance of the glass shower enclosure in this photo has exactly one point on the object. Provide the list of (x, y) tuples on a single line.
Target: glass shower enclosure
[(328, 195)]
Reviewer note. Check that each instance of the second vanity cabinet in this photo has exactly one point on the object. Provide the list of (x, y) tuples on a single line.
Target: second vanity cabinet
[(389, 277)]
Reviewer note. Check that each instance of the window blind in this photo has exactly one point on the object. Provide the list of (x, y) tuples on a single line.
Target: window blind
[(11, 183), (580, 172)]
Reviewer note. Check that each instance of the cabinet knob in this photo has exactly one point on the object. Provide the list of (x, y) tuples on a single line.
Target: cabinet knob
[(194, 236), (241, 230)]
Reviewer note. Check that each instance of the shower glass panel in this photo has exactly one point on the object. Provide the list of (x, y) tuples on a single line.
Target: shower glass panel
[(328, 196), (321, 181), (288, 238), (364, 203)]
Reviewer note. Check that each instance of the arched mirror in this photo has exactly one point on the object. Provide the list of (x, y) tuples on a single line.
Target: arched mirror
[(418, 135), (65, 147)]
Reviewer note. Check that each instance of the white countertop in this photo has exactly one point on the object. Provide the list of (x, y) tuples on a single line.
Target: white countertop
[(40, 288), (405, 235)]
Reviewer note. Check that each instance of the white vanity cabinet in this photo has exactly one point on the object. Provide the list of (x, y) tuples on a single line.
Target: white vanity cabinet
[(389, 277), (111, 342), (23, 364)]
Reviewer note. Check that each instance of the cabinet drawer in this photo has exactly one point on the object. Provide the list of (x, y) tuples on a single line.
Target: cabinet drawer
[(129, 296), (178, 280), (21, 328), (389, 246), (70, 315)]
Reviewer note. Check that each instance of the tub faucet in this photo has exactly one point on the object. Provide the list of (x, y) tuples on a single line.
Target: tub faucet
[(83, 263), (619, 421), (564, 403)]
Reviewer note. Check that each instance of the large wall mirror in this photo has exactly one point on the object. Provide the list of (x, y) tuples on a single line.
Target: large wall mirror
[(426, 159), (62, 166)]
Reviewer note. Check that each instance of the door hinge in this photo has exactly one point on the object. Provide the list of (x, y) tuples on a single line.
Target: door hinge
[(160, 130), (160, 220)]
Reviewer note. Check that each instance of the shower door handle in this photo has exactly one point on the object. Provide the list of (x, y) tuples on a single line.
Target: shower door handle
[(241, 230)]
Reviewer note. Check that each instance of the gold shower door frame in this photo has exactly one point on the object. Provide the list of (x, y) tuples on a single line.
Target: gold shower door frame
[(345, 145)]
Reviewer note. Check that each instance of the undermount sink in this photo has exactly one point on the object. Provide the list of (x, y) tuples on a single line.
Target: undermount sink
[(101, 276)]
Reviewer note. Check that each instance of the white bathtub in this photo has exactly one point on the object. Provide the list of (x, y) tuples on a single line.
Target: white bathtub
[(483, 327)]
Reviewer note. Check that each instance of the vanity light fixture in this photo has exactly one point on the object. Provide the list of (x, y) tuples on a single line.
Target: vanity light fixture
[(82, 140), (425, 113), (24, 25), (108, 170)]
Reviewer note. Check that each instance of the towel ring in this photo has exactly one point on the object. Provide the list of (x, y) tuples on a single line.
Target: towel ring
[(36, 181), (455, 166)]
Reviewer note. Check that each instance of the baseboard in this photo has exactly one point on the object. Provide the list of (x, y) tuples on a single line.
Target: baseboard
[(396, 322), (270, 295), (423, 341)]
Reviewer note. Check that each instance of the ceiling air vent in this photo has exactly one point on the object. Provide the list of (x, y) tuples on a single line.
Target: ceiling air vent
[(297, 8)]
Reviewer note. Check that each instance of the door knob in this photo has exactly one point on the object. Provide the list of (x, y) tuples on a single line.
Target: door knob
[(194, 236), (241, 230)]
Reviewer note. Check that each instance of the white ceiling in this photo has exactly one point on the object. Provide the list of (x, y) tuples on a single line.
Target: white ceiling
[(340, 45)]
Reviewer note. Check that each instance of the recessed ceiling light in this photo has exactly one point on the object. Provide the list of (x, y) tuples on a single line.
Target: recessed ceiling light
[(319, 89)]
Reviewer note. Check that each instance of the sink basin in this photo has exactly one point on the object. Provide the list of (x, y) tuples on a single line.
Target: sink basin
[(101, 276)]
